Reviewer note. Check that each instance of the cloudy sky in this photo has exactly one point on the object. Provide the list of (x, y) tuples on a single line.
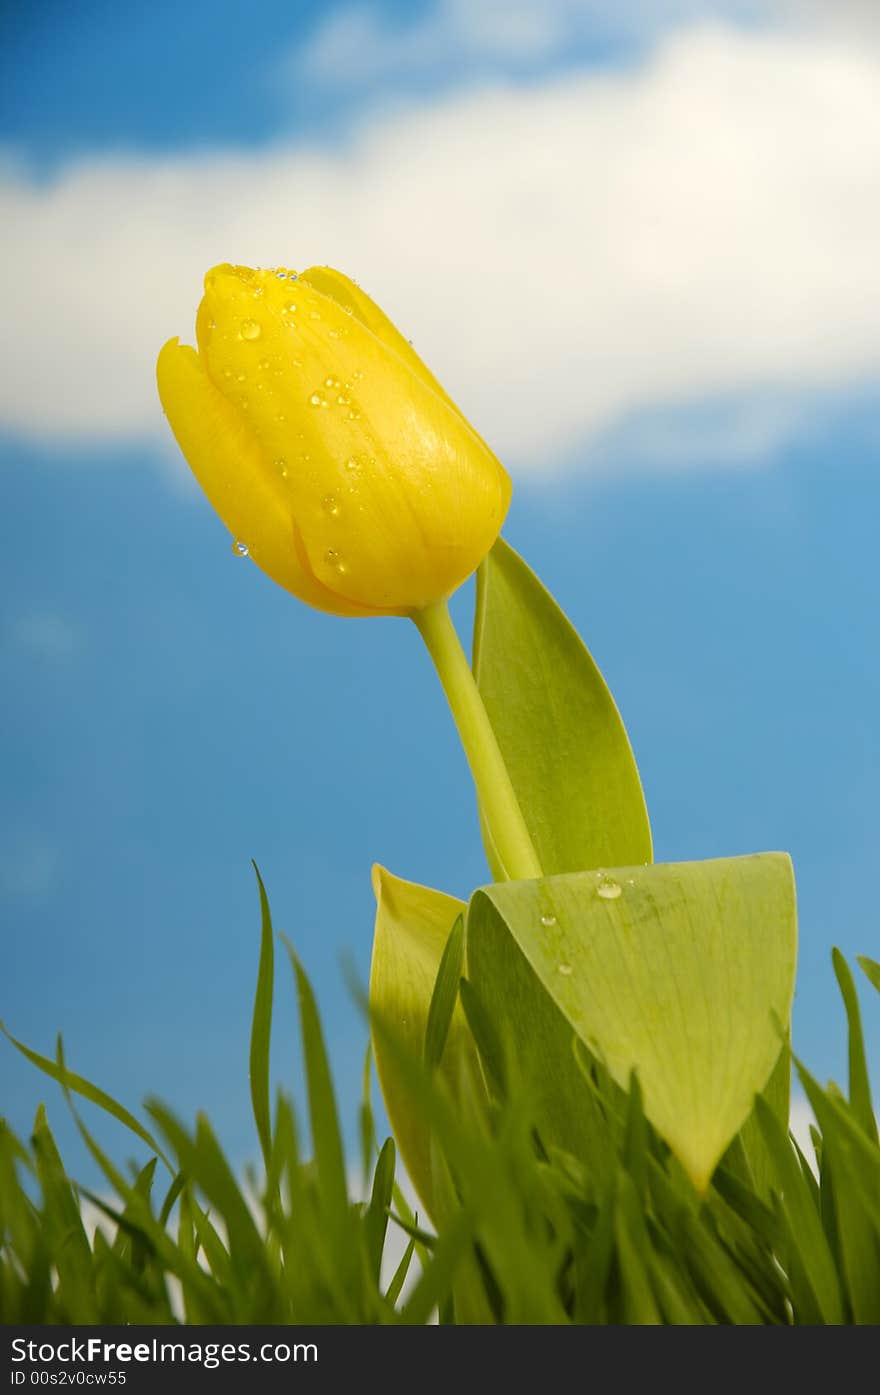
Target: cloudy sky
[(640, 249)]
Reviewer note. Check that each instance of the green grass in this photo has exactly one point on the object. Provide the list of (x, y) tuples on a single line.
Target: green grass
[(522, 1233)]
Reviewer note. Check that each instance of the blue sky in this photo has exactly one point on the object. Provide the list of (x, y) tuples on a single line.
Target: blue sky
[(650, 286)]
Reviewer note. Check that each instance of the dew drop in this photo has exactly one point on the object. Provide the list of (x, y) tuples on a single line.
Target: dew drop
[(280, 417), (334, 560), (280, 464), (316, 400), (565, 969), (289, 308), (212, 324), (609, 889), (282, 275), (227, 372), (548, 921), (240, 548), (241, 377), (342, 400), (258, 291), (293, 276), (250, 329), (352, 466), (330, 504), (331, 382), (265, 363), (354, 416)]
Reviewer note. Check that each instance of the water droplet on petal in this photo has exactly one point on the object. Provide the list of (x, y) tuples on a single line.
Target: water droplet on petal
[(265, 363), (342, 400), (241, 377), (352, 466), (227, 372), (334, 560), (250, 329), (240, 548), (565, 969), (289, 308), (608, 888), (548, 921), (280, 464), (353, 416), (330, 504), (316, 400)]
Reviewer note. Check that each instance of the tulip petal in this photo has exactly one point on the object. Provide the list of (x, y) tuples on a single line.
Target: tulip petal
[(228, 463), (349, 295), (396, 499)]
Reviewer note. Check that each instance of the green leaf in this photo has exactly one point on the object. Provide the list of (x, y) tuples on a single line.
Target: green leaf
[(777, 1094), (681, 972), (261, 1029), (560, 733), (413, 925), (532, 1031)]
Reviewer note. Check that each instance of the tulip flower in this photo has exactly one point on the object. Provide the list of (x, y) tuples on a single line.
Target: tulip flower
[(329, 450), (345, 471)]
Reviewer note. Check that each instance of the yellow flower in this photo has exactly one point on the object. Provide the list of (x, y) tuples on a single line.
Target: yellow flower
[(327, 447)]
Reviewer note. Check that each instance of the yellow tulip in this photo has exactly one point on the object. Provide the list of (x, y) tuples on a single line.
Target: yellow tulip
[(327, 447)]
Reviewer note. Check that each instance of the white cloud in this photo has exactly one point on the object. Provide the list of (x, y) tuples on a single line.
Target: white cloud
[(363, 42), (568, 254)]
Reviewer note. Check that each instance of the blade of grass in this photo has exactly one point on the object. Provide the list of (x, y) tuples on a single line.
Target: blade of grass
[(859, 1084), (261, 1028), (68, 1080), (445, 995)]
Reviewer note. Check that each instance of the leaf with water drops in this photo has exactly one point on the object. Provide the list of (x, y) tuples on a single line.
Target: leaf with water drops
[(683, 972), (560, 733)]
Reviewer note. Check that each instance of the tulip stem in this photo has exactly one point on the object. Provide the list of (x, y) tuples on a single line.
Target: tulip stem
[(498, 801)]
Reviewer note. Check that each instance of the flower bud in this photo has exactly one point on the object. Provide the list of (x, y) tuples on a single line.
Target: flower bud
[(327, 447)]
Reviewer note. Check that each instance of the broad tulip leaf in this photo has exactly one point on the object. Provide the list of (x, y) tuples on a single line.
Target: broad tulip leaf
[(413, 925), (683, 972), (560, 733)]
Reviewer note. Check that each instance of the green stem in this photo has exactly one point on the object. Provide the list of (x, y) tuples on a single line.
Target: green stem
[(497, 797)]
